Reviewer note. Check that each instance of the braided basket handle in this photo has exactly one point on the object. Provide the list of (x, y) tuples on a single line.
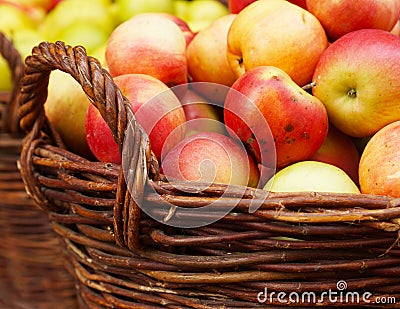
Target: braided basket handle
[(16, 65), (113, 106)]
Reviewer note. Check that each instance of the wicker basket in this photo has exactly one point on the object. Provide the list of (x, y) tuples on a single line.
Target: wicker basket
[(33, 271), (301, 244)]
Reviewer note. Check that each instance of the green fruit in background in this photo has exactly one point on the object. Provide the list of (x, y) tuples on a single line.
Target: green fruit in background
[(24, 40), (128, 8), (69, 12), (13, 19), (85, 34), (200, 13)]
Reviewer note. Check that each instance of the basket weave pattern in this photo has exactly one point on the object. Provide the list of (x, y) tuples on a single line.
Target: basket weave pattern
[(32, 269), (123, 258)]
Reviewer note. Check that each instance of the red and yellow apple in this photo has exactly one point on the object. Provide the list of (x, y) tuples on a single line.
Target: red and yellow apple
[(357, 80), (148, 44), (339, 150), (206, 54), (187, 32), (379, 169), (210, 157), (156, 108), (297, 120), (276, 33), (342, 16)]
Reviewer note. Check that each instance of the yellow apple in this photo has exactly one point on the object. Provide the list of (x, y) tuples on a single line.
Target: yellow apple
[(206, 53), (311, 176), (66, 108), (276, 33)]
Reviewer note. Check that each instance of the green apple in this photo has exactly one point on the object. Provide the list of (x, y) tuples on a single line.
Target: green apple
[(181, 8), (66, 108), (100, 54), (128, 8), (311, 176), (85, 34), (24, 40), (67, 13), (14, 19), (201, 13)]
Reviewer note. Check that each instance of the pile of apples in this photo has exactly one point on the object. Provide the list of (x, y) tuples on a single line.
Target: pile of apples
[(281, 95)]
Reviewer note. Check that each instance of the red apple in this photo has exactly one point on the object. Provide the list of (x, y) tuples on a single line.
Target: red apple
[(300, 3), (379, 169), (210, 157), (235, 6), (357, 80), (156, 108), (339, 150), (206, 54), (276, 33), (298, 121), (343, 16), (148, 44), (201, 114)]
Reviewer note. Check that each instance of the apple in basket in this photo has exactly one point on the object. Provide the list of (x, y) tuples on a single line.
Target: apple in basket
[(210, 157), (276, 33), (150, 44), (357, 79), (379, 169), (339, 150), (156, 108), (206, 54), (342, 16), (312, 176), (298, 121), (66, 107), (201, 114)]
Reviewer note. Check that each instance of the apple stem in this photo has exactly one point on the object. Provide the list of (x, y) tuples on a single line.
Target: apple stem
[(352, 93), (309, 86)]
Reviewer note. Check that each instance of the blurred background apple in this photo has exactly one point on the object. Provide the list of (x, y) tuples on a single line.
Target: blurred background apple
[(199, 13), (88, 23), (126, 9)]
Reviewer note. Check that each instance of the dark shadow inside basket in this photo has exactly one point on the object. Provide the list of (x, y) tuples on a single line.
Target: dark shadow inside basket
[(299, 244)]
